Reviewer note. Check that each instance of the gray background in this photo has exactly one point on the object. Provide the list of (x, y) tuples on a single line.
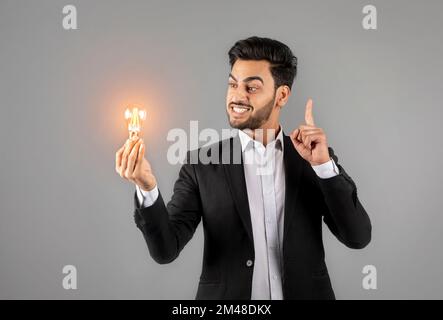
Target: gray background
[(377, 94)]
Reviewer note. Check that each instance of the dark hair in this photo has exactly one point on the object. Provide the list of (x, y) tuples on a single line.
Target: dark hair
[(283, 62)]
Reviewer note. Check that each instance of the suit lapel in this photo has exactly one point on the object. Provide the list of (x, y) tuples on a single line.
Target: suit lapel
[(293, 168), (235, 177)]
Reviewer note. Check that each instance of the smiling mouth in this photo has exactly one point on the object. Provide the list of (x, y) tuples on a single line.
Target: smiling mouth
[(240, 109)]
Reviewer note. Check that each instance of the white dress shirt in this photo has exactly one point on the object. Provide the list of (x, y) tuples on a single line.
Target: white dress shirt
[(265, 183)]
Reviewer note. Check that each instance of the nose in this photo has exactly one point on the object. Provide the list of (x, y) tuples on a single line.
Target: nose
[(240, 99)]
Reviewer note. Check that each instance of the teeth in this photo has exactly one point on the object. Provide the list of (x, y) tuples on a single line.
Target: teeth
[(240, 110)]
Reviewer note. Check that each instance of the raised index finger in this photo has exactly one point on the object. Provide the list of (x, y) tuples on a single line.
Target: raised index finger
[(309, 118)]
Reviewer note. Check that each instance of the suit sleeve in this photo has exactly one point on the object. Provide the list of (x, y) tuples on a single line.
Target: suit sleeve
[(344, 214), (168, 228)]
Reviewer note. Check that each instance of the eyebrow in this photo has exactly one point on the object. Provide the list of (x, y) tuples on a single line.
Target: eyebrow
[(248, 78)]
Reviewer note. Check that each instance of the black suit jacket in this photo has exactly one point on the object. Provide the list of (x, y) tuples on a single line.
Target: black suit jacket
[(216, 194)]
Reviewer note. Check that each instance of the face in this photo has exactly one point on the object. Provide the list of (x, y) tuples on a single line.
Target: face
[(250, 99)]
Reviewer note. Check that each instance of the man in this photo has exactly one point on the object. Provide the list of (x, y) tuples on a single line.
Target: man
[(262, 219)]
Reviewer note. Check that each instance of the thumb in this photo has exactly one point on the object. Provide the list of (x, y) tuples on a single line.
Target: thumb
[(294, 137), (295, 134)]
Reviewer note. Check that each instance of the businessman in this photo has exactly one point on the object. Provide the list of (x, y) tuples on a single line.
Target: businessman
[(262, 219)]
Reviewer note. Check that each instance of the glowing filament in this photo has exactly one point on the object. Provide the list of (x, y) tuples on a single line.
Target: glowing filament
[(135, 118)]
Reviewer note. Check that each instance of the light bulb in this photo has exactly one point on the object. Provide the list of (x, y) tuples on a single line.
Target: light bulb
[(135, 118)]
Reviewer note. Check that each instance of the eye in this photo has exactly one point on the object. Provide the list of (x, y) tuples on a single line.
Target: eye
[(232, 85), (252, 89)]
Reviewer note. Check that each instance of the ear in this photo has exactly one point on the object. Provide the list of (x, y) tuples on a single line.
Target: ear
[(282, 95)]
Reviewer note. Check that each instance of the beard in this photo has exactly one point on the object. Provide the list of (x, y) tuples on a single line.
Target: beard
[(257, 117)]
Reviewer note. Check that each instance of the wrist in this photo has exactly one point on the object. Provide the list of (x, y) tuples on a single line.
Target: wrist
[(147, 188), (319, 163)]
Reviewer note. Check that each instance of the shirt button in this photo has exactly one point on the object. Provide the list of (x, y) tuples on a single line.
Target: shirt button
[(249, 263), (274, 277)]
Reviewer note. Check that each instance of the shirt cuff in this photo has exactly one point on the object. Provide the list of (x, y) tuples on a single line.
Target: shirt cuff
[(146, 198), (326, 170)]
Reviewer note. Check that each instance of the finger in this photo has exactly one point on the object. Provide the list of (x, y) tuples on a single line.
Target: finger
[(301, 140), (295, 137), (301, 148), (299, 136), (294, 134), (118, 158), (306, 127), (305, 131), (315, 138), (141, 154), (129, 145), (309, 118), (132, 158), (307, 142), (310, 131)]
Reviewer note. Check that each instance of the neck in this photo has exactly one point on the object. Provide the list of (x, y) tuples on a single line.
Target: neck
[(265, 133)]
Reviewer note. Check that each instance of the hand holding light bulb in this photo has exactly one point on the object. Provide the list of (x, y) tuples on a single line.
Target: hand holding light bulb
[(130, 162)]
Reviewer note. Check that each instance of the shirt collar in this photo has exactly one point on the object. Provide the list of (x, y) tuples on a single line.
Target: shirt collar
[(246, 140)]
